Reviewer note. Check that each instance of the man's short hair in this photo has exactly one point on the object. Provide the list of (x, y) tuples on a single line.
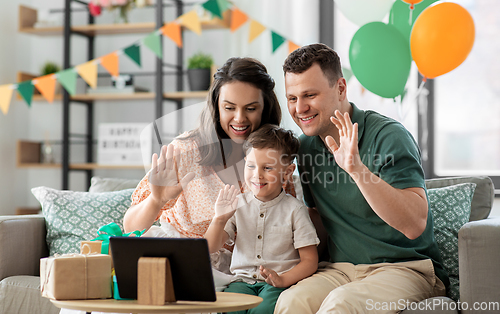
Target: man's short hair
[(273, 137), (303, 58)]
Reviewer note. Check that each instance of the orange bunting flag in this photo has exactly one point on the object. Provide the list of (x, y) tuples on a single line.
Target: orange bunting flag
[(173, 31), (238, 18), (255, 30), (46, 85), (5, 97), (191, 21), (110, 63), (292, 47), (88, 72)]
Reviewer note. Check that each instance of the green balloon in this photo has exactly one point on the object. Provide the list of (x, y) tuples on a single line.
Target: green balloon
[(380, 59), (399, 15)]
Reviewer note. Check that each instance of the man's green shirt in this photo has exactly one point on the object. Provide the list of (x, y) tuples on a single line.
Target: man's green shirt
[(356, 234)]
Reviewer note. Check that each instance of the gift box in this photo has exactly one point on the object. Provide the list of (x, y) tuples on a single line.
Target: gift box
[(76, 277), (94, 246), (90, 247)]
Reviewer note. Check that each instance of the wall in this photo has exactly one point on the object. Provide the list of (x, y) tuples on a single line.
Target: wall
[(296, 21), (12, 181)]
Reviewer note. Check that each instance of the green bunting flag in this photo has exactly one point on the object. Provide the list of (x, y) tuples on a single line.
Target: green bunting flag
[(25, 89), (153, 42), (213, 7), (278, 40), (134, 53), (223, 5), (347, 74), (67, 78)]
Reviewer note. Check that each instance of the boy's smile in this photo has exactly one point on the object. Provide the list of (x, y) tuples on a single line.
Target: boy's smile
[(265, 173)]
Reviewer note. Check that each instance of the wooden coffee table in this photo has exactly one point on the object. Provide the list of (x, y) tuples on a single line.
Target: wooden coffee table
[(226, 302)]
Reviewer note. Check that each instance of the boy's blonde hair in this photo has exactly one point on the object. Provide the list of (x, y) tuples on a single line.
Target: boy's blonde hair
[(274, 137)]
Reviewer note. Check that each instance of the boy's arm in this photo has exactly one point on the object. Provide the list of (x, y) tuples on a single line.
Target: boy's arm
[(307, 266), (215, 235), (225, 206)]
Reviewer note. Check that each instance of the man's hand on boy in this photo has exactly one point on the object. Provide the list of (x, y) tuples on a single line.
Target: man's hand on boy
[(225, 206), (272, 278)]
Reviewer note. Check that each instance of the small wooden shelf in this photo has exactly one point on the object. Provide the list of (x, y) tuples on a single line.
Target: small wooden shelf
[(78, 166), (29, 156), (23, 76), (28, 18)]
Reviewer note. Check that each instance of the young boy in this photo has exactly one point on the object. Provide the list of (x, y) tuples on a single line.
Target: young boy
[(276, 242)]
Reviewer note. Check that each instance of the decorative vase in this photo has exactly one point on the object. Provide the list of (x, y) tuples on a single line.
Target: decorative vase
[(199, 79), (121, 14)]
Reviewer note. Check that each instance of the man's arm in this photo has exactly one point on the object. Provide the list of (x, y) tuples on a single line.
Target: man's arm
[(403, 209), (306, 267)]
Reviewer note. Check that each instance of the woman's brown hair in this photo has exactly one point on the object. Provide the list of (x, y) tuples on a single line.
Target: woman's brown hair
[(246, 70)]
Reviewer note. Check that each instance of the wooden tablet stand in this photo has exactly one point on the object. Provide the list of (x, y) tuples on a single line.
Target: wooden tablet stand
[(154, 281)]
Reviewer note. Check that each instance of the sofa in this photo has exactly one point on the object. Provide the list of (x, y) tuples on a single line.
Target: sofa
[(23, 243)]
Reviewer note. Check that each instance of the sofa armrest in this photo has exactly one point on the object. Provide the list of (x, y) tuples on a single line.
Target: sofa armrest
[(22, 244), (479, 260)]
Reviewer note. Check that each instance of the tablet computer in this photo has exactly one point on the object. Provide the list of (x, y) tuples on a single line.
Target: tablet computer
[(189, 263)]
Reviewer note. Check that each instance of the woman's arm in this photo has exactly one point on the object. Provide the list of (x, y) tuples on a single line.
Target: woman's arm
[(306, 267), (164, 185)]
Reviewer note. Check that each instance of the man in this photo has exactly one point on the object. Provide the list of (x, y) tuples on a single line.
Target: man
[(361, 173)]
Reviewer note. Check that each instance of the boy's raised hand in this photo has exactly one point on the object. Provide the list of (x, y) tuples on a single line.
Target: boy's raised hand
[(225, 206), (272, 278)]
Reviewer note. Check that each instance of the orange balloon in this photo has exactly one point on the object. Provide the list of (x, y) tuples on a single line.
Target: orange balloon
[(412, 3), (441, 38)]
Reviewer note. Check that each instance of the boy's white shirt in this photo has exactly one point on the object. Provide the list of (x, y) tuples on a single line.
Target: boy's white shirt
[(284, 227)]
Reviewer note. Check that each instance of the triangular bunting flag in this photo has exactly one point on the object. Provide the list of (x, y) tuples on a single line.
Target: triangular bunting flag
[(88, 72), (110, 63), (134, 53), (173, 31), (25, 89), (153, 42), (46, 85), (67, 78), (223, 5), (5, 97), (255, 30), (191, 21), (238, 18), (292, 47), (347, 74), (213, 7), (278, 40)]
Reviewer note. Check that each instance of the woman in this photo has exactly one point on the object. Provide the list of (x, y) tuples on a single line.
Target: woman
[(183, 193)]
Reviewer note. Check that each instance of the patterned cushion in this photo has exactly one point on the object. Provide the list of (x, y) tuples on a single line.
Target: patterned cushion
[(450, 208), (71, 216)]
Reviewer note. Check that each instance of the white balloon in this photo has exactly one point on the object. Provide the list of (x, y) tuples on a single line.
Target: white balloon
[(361, 12)]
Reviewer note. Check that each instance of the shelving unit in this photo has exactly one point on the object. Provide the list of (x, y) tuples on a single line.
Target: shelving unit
[(27, 20)]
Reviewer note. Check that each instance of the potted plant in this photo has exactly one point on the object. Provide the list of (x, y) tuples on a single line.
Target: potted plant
[(49, 68), (199, 66)]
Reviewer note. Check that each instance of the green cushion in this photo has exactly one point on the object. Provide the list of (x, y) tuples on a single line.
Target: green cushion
[(450, 208), (71, 216)]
